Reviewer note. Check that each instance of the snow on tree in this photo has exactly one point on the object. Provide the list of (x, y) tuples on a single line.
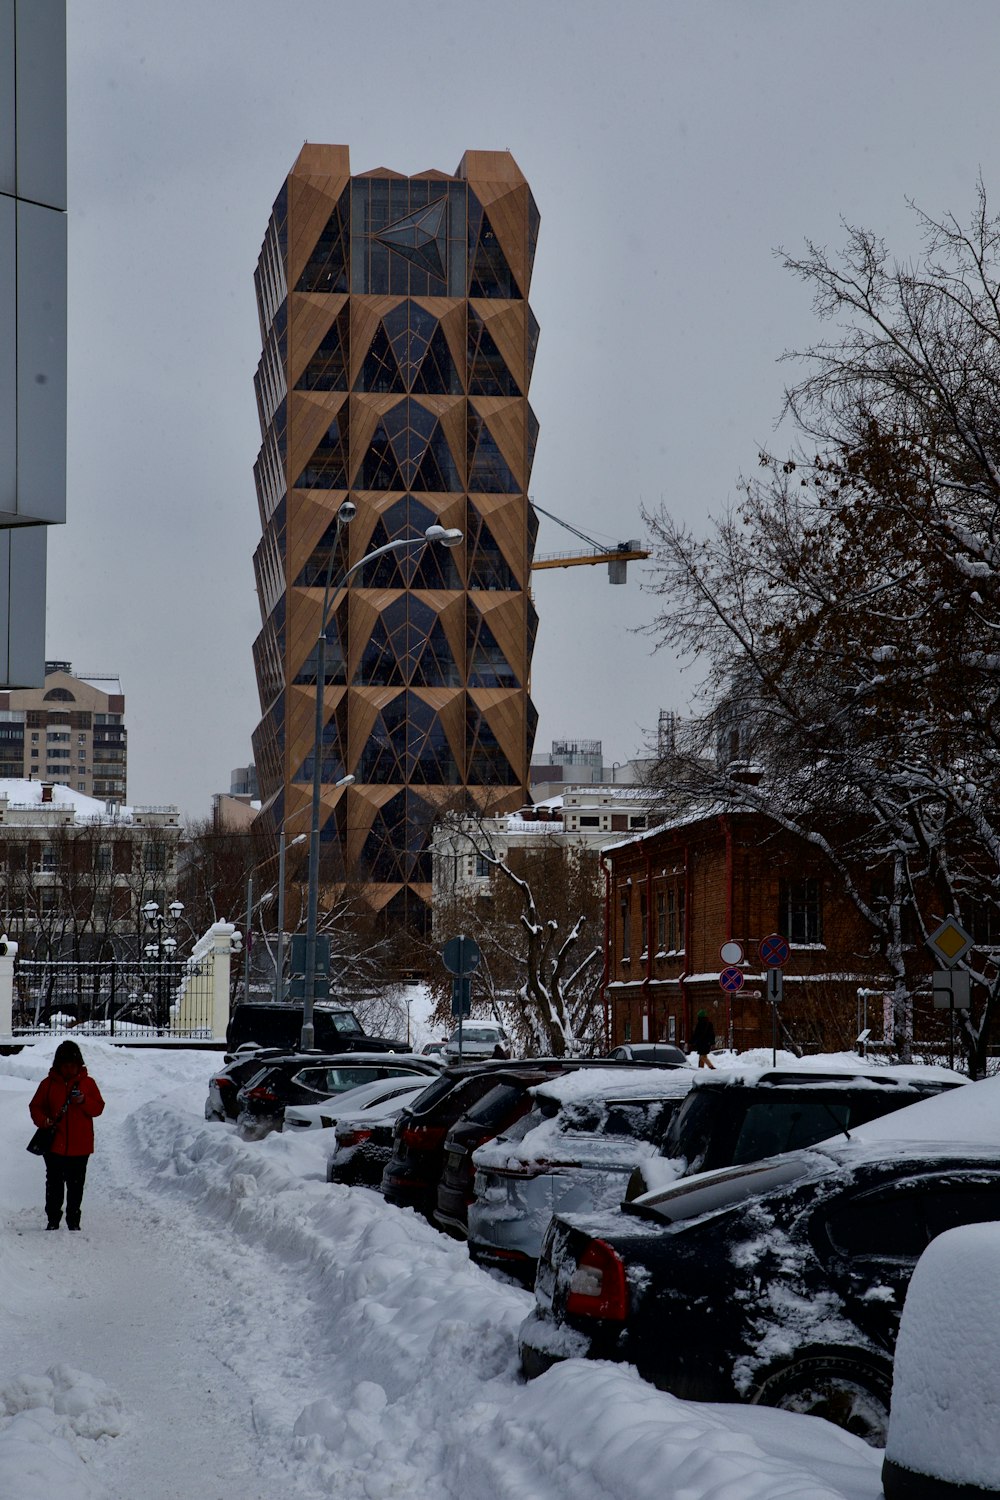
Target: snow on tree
[(538, 928), (848, 608)]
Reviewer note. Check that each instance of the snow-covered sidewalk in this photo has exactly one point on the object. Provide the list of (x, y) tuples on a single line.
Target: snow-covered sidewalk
[(228, 1325)]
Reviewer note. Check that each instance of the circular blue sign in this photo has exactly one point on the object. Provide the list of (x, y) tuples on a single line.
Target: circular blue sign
[(731, 980), (774, 951)]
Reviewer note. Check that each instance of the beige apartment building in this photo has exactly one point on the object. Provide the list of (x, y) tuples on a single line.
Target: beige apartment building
[(70, 731)]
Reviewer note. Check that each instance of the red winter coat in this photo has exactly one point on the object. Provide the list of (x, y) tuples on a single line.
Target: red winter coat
[(75, 1131)]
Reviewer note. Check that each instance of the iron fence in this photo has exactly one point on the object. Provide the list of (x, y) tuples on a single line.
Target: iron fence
[(168, 996)]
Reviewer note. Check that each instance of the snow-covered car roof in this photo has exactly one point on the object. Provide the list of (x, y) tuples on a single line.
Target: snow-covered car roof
[(382, 1109), (364, 1099), (968, 1116), (828, 1072), (619, 1082), (555, 1140)]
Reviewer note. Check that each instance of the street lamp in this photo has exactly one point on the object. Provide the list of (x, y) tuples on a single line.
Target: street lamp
[(279, 961), (445, 536), (159, 920)]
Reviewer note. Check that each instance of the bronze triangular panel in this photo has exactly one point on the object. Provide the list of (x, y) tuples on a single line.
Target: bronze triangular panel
[(505, 322), (327, 467), (326, 367), (310, 516), (366, 314), (488, 372), (504, 615), (311, 201), (504, 515), (325, 268), (310, 314), (508, 215), (505, 420), (310, 416)]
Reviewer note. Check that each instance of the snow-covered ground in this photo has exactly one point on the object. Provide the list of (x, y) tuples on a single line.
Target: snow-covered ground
[(228, 1325)]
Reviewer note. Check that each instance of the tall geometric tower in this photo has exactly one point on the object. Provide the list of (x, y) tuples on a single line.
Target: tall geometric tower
[(397, 351)]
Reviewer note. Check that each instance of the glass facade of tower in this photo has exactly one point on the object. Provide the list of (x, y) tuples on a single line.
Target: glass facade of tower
[(397, 352)]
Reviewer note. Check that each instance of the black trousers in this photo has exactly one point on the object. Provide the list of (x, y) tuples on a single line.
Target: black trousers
[(64, 1174)]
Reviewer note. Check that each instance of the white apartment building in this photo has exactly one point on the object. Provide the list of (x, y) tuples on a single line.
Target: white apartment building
[(585, 818)]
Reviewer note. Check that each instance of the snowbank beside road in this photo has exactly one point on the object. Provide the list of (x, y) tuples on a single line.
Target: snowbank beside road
[(372, 1358)]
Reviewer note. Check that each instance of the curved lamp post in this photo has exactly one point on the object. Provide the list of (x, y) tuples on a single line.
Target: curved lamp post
[(445, 536)]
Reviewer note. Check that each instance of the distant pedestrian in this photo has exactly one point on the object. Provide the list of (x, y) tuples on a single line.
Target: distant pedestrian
[(703, 1040), (69, 1099)]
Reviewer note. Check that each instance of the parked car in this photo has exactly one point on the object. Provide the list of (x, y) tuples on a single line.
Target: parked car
[(228, 1079), (308, 1078), (572, 1151), (779, 1282), (272, 1023), (325, 1114), (506, 1102), (481, 1040), (659, 1054), (363, 1141), (733, 1118), (412, 1173)]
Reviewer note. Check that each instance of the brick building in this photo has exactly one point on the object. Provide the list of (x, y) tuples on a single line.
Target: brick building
[(678, 892)]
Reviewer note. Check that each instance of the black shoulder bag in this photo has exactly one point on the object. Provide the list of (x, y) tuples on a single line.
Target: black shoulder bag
[(42, 1140)]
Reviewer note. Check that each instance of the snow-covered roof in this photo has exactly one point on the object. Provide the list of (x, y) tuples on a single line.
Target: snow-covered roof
[(617, 1083), (22, 795)]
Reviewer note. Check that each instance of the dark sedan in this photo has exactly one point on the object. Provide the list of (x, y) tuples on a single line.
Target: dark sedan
[(412, 1174), (308, 1078), (780, 1283)]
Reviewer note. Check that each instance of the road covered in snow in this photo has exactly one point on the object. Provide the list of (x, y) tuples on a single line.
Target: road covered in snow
[(229, 1325)]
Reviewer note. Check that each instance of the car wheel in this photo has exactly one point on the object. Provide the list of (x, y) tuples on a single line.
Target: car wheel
[(848, 1389)]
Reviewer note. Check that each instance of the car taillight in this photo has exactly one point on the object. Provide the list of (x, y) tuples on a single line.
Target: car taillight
[(599, 1288), (263, 1096), (223, 1083), (352, 1137), (424, 1137)]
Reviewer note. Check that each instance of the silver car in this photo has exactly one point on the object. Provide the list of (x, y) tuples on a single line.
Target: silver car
[(480, 1040), (574, 1150)]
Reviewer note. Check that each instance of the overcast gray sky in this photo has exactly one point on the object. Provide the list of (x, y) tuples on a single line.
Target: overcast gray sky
[(670, 147)]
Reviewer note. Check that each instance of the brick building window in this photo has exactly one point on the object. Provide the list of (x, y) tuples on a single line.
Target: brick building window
[(625, 898), (661, 920), (800, 916)]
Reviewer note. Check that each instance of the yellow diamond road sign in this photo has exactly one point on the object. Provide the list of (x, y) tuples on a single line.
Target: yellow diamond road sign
[(950, 942)]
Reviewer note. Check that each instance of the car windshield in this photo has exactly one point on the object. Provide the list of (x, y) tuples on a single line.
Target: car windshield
[(346, 1023), (717, 1190), (778, 1124), (479, 1034)]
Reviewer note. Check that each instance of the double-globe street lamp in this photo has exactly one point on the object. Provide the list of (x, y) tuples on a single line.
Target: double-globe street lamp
[(444, 536), (159, 920)]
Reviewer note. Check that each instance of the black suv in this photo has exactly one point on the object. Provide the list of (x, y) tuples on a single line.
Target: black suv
[(272, 1023), (730, 1119)]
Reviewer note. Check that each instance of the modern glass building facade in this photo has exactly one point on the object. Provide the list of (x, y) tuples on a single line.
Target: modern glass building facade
[(32, 321), (397, 351)]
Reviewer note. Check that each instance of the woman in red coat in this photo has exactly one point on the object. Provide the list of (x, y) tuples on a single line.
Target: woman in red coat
[(69, 1099)]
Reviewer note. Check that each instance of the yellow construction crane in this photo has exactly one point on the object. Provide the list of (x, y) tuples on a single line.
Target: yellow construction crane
[(617, 558)]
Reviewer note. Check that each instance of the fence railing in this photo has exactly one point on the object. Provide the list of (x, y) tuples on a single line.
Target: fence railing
[(169, 997)]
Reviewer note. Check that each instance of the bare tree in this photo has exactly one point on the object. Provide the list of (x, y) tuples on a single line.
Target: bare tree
[(849, 608), (539, 930)]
